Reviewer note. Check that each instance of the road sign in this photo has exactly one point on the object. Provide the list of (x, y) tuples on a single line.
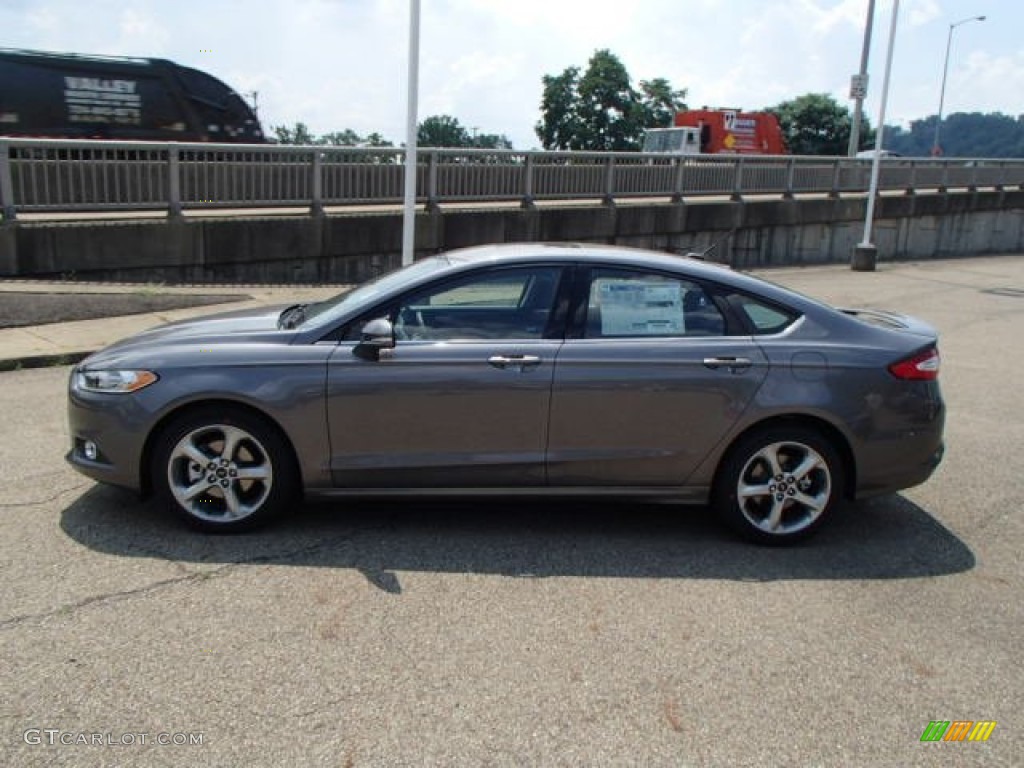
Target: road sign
[(858, 86)]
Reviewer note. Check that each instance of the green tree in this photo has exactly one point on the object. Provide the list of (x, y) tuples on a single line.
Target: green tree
[(345, 138), (608, 105), (447, 131), (442, 131), (491, 141), (560, 125), (349, 138), (376, 140), (300, 134), (659, 102), (816, 124), (600, 109)]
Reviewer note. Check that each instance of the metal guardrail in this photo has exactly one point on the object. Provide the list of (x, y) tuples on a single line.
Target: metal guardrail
[(39, 175)]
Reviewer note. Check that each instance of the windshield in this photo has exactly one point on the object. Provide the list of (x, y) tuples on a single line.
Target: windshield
[(356, 299)]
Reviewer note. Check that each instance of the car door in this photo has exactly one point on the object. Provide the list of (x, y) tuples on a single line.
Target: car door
[(648, 382), (462, 400)]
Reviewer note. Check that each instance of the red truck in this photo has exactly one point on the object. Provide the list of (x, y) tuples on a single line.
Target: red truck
[(717, 132)]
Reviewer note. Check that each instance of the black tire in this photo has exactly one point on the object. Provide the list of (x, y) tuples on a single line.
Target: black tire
[(231, 490), (786, 503)]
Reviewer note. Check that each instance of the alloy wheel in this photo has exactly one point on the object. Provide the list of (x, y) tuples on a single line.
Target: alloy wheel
[(220, 473), (784, 488)]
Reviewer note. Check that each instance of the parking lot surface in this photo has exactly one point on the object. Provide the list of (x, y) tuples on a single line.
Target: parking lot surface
[(512, 633)]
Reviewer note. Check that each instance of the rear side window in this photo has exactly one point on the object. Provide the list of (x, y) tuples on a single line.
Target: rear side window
[(764, 318), (625, 303)]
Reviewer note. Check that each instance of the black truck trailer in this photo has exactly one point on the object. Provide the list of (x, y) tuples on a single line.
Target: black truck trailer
[(73, 96)]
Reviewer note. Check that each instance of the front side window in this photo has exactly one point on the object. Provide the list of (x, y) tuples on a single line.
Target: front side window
[(506, 304), (506, 289), (636, 304)]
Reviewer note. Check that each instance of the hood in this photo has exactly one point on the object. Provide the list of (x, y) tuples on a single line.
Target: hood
[(256, 325)]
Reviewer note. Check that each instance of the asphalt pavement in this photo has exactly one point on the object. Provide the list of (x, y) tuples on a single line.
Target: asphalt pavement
[(503, 633)]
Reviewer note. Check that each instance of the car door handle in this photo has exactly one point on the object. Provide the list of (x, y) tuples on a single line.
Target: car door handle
[(734, 364), (518, 362)]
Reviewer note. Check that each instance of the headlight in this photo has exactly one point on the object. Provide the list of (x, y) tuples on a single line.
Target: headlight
[(114, 381)]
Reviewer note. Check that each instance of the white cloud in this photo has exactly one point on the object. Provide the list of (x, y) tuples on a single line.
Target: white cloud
[(983, 83), (923, 11), (42, 20), (141, 31)]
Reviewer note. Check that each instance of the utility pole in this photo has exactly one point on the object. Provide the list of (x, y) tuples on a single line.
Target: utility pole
[(255, 103), (859, 83), (865, 255)]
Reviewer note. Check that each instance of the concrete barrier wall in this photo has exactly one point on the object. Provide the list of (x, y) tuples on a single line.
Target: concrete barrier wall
[(355, 247)]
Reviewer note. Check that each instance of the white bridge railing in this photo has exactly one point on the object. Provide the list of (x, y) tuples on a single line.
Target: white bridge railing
[(39, 175)]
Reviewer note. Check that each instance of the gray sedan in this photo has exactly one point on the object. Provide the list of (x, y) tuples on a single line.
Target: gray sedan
[(519, 370)]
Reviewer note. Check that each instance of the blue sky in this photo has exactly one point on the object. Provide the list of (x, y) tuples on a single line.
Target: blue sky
[(338, 64)]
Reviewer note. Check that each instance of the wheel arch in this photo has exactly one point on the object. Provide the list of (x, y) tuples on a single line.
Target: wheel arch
[(808, 421), (183, 409)]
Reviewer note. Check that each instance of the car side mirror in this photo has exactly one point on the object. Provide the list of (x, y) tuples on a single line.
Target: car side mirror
[(376, 335)]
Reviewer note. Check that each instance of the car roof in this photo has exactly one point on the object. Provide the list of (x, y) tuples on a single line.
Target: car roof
[(618, 255), (573, 252)]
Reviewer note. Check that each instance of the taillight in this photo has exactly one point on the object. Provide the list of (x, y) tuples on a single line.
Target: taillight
[(923, 366)]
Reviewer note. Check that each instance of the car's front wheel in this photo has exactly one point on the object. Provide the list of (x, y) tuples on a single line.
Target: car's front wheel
[(779, 484), (223, 470)]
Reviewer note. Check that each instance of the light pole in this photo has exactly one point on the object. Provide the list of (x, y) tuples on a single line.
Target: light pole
[(412, 90), (865, 255), (936, 147)]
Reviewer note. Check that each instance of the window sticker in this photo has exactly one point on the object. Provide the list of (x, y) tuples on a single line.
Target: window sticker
[(640, 308)]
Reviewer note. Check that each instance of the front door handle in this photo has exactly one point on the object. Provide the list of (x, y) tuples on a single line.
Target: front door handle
[(734, 364), (516, 362)]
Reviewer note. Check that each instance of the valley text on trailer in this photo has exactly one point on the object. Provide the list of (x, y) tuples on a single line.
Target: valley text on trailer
[(72, 96)]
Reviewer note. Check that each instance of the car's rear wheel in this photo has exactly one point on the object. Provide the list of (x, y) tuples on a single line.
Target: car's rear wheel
[(779, 484), (223, 470)]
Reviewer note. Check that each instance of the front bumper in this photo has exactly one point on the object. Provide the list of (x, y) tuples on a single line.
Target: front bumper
[(117, 426)]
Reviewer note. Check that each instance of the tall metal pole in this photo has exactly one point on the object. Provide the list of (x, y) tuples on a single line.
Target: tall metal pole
[(936, 147), (409, 211), (865, 256), (862, 83)]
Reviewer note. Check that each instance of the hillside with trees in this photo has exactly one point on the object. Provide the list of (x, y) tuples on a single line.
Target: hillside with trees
[(961, 134)]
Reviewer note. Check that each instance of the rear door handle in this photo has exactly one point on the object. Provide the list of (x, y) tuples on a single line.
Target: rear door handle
[(734, 364), (516, 362)]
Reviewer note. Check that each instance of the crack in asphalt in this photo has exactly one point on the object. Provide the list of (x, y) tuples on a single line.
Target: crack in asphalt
[(190, 577), (54, 497)]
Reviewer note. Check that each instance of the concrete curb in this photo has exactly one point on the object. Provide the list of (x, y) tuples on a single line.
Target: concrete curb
[(42, 361)]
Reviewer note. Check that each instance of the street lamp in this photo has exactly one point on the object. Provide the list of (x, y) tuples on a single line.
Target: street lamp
[(936, 148)]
